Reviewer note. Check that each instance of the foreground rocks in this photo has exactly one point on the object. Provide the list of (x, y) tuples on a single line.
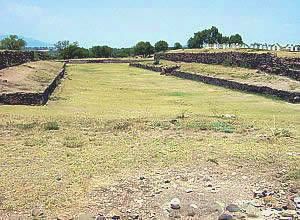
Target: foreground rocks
[(207, 192)]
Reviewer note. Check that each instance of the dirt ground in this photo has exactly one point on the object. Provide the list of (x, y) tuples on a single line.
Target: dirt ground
[(28, 77)]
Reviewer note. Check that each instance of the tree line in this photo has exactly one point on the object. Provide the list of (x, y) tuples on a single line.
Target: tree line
[(68, 50)]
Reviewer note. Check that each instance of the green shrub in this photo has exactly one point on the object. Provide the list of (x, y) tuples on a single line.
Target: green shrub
[(222, 127), (73, 142), (27, 126), (53, 125)]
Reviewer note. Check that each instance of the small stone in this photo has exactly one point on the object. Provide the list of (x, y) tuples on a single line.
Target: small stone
[(115, 214), (258, 194), (269, 212), (252, 211), (229, 116), (208, 185), (100, 217), (175, 203), (194, 206), (297, 200), (232, 208), (37, 212), (191, 212), (225, 217), (206, 179), (289, 213), (85, 217), (188, 190)]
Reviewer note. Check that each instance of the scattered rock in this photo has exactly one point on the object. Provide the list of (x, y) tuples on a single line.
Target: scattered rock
[(37, 212), (225, 217), (252, 211), (188, 190), (167, 181), (297, 202), (85, 217), (232, 208), (100, 217), (229, 116), (194, 206), (175, 203), (115, 214)]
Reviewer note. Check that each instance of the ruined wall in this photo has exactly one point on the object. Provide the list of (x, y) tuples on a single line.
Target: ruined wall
[(82, 61), (156, 68), (22, 98), (293, 97), (266, 62), (11, 58)]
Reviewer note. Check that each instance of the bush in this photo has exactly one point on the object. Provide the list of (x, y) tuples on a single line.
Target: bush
[(53, 125), (73, 142), (222, 127)]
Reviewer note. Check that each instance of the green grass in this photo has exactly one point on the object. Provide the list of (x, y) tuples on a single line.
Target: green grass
[(115, 121)]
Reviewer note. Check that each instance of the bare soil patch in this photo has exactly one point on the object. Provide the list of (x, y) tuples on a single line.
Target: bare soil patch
[(28, 77)]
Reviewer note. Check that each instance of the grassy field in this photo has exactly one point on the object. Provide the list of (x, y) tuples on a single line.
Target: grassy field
[(28, 77), (278, 53), (239, 74), (107, 121)]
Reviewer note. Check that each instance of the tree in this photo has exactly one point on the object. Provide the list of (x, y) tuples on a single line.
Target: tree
[(161, 46), (209, 36), (212, 36), (143, 48), (101, 51), (177, 46), (236, 39), (123, 52), (13, 42), (60, 45), (225, 40), (73, 51)]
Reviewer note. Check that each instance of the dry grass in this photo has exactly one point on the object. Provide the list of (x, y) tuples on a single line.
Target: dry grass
[(115, 121), (239, 74), (28, 77), (278, 53)]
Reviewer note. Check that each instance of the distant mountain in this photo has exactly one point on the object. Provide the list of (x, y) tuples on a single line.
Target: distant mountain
[(31, 42)]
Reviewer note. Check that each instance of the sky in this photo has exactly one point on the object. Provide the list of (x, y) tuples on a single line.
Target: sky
[(122, 23)]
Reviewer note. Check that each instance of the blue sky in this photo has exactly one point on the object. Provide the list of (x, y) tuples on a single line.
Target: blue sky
[(122, 23)]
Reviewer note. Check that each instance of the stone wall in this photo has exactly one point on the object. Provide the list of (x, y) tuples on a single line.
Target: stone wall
[(12, 58), (82, 61), (22, 98), (156, 68), (266, 62), (293, 97)]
